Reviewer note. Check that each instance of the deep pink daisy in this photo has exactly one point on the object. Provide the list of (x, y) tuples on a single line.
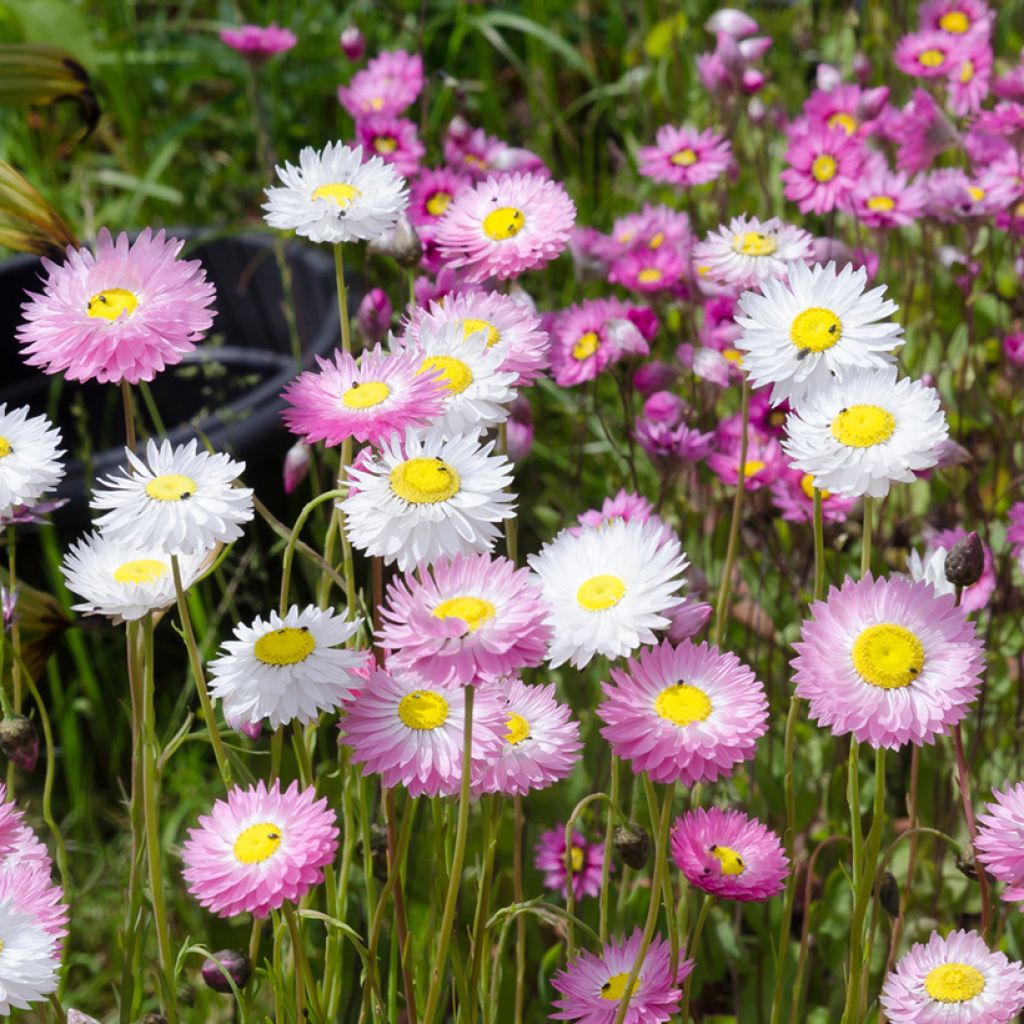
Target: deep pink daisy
[(652, 227), (729, 854), (541, 741), (923, 131), (956, 17), (846, 106), (506, 225), (394, 139), (255, 41), (967, 83), (648, 270), (953, 195), (431, 193), (387, 85), (684, 156), (928, 54), (793, 495), (472, 151), (583, 341), (886, 199), (888, 660), (259, 848), (372, 398), (763, 462), (122, 314), (1006, 119), (626, 506), (587, 862), (592, 986), (464, 621), (824, 166), (684, 714), (410, 733), (1000, 841)]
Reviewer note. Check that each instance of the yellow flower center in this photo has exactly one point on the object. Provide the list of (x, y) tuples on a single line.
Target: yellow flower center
[(815, 329), (888, 656), (881, 204), (600, 592), (729, 859), (111, 303), (453, 373), (1019, 210), (338, 192), (142, 570), (576, 858), (685, 157), (966, 71), (504, 223), (862, 426), (977, 194), (657, 241), (258, 843), (287, 646), (424, 481), (753, 243), (474, 611), (171, 487), (955, 22), (5, 448), (615, 987), (824, 168), (438, 203), (807, 486), (423, 710), (385, 144), (732, 355), (365, 395), (682, 704), (649, 275), (586, 346), (931, 58), (752, 467), (377, 103), (471, 327), (474, 161), (519, 730), (844, 121), (954, 983)]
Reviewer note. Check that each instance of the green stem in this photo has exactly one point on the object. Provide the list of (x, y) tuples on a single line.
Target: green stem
[(692, 947), (963, 781), (491, 817), (129, 415), (518, 895), (606, 867), (865, 550), (570, 888), (339, 274), (293, 538), (303, 975)]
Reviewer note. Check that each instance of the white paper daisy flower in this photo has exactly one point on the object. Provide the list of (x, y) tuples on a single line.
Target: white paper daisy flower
[(808, 329), (858, 435), (428, 497), (333, 196), (608, 590), (28, 966), (122, 581), (280, 669), (180, 499), (746, 251), (29, 458)]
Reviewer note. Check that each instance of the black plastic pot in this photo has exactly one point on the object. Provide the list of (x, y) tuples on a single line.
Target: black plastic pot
[(229, 387)]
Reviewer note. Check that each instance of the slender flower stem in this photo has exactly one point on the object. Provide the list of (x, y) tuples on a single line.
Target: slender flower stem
[(293, 538), (303, 975), (865, 550), (606, 865), (455, 874), (570, 885), (129, 415), (692, 945), (339, 273), (963, 781), (197, 671), (518, 895), (490, 819), (12, 583)]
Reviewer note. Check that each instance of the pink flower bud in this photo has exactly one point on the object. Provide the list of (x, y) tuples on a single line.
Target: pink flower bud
[(664, 407), (250, 729), (374, 316), (296, 466), (730, 22), (654, 376), (827, 77), (352, 43), (752, 81), (862, 68), (1013, 348)]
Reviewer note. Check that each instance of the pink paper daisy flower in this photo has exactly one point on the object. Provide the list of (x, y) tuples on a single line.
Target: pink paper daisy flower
[(685, 157), (952, 195), (763, 462), (1001, 839), (471, 150), (592, 986), (652, 227), (953, 980), (1015, 532), (793, 495), (846, 106), (431, 194), (626, 506), (464, 621), (410, 733), (729, 854), (923, 132), (506, 225), (684, 714), (746, 251), (824, 167), (32, 892), (889, 661), (584, 339), (257, 42), (967, 84), (393, 139), (587, 863), (122, 314), (373, 398), (886, 199), (259, 848), (387, 85), (928, 54), (648, 270), (956, 17), (541, 742)]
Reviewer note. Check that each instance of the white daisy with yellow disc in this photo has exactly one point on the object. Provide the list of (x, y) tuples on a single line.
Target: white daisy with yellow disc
[(29, 960), (178, 499), (812, 327), (30, 459), (125, 582), (334, 196), (277, 670), (609, 589), (859, 435)]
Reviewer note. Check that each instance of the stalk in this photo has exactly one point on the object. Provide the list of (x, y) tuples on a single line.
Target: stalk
[(518, 895), (691, 948)]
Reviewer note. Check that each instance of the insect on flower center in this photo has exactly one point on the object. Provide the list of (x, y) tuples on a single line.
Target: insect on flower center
[(423, 710), (600, 593), (5, 448), (424, 481), (615, 987), (844, 121), (954, 983), (753, 243), (287, 646), (519, 730), (881, 204), (474, 611), (685, 157), (385, 144), (258, 843), (955, 22), (438, 203), (807, 486), (931, 58), (453, 373), (141, 570), (824, 168), (339, 192), (586, 346), (111, 303), (682, 704), (171, 487), (365, 395), (863, 426), (888, 656), (731, 862), (504, 223), (815, 329), (649, 275), (471, 327), (752, 467)]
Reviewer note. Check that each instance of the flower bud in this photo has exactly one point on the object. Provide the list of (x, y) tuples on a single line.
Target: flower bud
[(664, 407), (731, 22), (77, 1017), (374, 316), (827, 77), (8, 607), (352, 43), (19, 742), (1013, 348), (889, 894), (296, 466), (862, 68), (966, 561), (236, 964), (251, 729), (402, 243), (632, 844)]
